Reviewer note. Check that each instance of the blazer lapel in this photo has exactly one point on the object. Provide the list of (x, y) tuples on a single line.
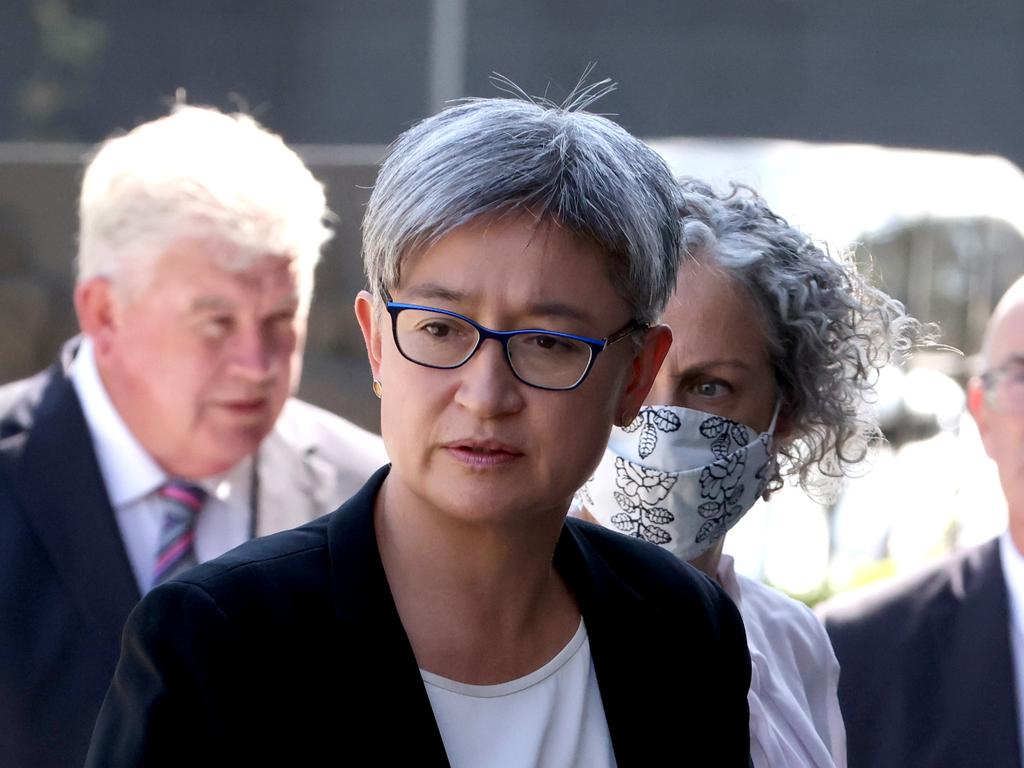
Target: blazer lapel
[(615, 615), (972, 639), (62, 492), (396, 717)]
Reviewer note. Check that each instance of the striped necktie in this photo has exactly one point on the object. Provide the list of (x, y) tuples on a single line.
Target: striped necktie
[(181, 503)]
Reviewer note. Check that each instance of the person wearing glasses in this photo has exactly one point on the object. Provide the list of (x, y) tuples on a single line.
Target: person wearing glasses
[(518, 255), (933, 663), (775, 345)]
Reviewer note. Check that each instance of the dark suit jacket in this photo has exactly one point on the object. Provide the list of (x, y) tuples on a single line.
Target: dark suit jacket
[(290, 647), (66, 586), (926, 669)]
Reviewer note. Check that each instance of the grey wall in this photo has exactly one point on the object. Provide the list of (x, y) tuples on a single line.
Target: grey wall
[(941, 74), (932, 73)]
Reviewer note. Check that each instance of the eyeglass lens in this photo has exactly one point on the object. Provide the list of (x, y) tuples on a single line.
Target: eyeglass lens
[(1008, 387)]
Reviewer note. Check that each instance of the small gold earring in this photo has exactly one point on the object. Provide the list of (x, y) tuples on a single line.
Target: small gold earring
[(377, 389)]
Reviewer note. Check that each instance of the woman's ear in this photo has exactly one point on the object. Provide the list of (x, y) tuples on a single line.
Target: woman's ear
[(369, 323), (645, 367)]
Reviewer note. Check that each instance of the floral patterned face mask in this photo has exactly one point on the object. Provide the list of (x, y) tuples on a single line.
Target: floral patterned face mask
[(679, 478)]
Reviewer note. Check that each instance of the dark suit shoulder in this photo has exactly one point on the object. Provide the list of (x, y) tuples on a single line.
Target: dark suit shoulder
[(901, 604), (18, 401)]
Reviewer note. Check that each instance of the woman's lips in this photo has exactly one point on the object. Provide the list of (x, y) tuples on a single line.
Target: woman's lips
[(482, 454)]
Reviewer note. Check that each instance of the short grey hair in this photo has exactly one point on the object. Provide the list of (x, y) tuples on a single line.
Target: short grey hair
[(560, 164), (829, 331), (198, 172)]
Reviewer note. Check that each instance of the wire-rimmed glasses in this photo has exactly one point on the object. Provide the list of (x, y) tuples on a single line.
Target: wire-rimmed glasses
[(1005, 386)]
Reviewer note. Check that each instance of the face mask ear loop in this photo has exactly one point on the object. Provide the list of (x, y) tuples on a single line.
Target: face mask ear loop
[(775, 417)]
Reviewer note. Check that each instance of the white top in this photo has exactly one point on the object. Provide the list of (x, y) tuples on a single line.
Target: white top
[(551, 717), (1013, 573), (132, 477), (794, 705)]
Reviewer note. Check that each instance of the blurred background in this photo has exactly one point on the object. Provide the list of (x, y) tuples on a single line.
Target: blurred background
[(889, 127)]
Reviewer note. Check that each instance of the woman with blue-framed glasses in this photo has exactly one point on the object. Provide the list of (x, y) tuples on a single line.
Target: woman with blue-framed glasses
[(519, 255)]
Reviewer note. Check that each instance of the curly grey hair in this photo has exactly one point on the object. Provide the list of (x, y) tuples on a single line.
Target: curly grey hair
[(829, 331), (560, 164)]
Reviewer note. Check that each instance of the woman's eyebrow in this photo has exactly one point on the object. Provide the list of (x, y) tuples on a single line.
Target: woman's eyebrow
[(725, 362), (438, 292), (428, 291), (559, 310)]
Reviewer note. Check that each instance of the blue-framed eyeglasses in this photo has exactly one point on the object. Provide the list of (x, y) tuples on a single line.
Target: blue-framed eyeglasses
[(437, 338)]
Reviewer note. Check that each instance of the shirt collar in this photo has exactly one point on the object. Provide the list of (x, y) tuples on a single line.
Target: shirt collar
[(1013, 573), (129, 472), (726, 576)]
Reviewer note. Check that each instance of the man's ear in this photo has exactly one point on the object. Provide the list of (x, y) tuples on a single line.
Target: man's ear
[(645, 367), (368, 316), (99, 313), (977, 405)]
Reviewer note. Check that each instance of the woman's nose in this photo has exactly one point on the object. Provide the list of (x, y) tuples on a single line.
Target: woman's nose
[(488, 388)]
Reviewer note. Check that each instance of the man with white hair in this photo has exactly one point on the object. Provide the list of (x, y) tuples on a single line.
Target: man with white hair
[(166, 434), (932, 666)]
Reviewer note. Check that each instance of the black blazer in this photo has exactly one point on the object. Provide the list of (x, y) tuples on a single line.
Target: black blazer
[(290, 647), (927, 676)]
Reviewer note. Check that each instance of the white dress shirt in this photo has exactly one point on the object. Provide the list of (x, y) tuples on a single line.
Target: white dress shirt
[(132, 477), (794, 705), (1013, 573)]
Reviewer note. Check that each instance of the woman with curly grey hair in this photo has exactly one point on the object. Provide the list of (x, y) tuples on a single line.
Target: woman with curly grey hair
[(775, 345)]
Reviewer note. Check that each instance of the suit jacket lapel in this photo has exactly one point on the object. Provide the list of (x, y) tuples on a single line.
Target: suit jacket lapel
[(296, 483), (292, 485), (398, 709), (62, 493), (972, 639)]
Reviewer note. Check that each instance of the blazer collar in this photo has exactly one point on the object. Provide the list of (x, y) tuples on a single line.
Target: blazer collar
[(61, 491)]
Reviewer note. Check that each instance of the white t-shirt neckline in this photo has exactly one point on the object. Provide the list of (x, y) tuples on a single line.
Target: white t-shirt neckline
[(512, 686)]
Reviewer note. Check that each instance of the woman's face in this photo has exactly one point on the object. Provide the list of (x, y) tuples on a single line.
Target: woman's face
[(719, 360), (474, 442)]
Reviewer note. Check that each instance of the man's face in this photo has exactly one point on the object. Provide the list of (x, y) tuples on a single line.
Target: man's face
[(200, 361), (998, 404)]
